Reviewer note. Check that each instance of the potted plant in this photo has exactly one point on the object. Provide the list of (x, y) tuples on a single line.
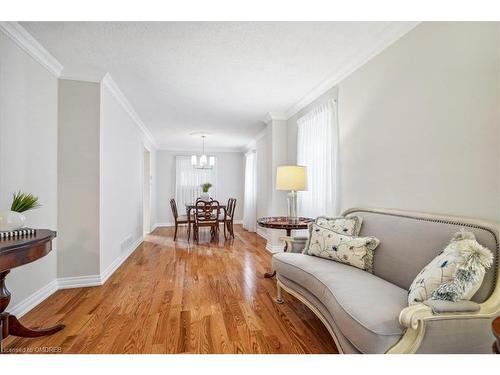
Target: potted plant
[(13, 219), (205, 188)]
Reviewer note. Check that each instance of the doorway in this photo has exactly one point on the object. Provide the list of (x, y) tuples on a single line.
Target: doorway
[(146, 204)]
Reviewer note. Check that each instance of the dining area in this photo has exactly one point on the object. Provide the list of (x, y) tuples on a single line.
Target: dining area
[(205, 214)]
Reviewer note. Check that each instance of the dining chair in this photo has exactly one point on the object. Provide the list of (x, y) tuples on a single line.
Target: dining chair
[(206, 214), (229, 217), (182, 219)]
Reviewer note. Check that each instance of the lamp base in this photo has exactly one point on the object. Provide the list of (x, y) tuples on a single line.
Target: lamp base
[(292, 206)]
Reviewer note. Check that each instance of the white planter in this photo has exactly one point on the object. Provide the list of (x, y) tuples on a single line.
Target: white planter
[(205, 197), (10, 220)]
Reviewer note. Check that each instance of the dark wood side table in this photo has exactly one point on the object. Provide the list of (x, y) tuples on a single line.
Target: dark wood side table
[(496, 331), (283, 223), (14, 253)]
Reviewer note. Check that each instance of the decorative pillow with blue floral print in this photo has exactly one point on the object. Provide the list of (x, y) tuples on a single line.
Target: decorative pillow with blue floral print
[(328, 244), (456, 273), (350, 225)]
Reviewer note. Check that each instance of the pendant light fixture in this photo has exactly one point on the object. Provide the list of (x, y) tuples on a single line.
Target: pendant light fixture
[(202, 161)]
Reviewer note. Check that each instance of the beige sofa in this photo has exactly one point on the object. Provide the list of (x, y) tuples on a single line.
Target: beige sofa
[(369, 313)]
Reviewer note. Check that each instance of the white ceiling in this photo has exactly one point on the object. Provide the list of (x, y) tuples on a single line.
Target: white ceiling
[(218, 77)]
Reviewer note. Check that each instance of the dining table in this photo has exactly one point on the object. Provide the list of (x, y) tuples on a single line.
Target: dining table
[(190, 207)]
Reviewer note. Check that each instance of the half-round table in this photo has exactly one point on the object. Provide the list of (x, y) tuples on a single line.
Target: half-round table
[(15, 252)]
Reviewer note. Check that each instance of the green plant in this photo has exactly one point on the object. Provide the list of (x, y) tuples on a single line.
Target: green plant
[(206, 186), (23, 202)]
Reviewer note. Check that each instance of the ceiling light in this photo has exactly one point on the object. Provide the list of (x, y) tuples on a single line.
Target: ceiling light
[(202, 161)]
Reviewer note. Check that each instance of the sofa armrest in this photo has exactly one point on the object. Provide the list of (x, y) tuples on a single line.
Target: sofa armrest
[(294, 244), (413, 316), (439, 306), (423, 319)]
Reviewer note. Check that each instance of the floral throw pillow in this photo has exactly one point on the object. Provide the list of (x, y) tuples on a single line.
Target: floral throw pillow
[(350, 225), (328, 244), (456, 273)]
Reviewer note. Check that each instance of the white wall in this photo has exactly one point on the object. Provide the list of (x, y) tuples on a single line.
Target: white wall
[(28, 154), (121, 181), (78, 178), (435, 126), (165, 186), (272, 151), (230, 181), (82, 154), (264, 174), (419, 123), (279, 157)]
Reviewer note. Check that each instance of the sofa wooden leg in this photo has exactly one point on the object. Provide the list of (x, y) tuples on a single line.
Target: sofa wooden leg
[(279, 297)]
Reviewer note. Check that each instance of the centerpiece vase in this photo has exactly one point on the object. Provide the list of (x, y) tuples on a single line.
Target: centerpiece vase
[(205, 197), (11, 220)]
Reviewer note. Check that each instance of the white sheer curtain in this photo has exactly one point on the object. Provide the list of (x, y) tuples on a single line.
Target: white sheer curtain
[(188, 181), (250, 197), (317, 148)]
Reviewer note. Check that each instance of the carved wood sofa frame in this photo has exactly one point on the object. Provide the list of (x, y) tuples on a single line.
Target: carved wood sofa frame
[(416, 318)]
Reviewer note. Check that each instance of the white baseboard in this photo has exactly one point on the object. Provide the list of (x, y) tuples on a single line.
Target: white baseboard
[(274, 248), (238, 222), (40, 295), (78, 281), (118, 261), (33, 300), (263, 233), (269, 246), (158, 225)]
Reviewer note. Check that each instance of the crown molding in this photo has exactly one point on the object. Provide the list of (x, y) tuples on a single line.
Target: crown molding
[(111, 85), (197, 150), (365, 54), (30, 45), (274, 116), (252, 145), (70, 77)]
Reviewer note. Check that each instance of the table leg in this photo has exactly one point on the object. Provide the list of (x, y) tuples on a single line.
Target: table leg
[(10, 324), (272, 273)]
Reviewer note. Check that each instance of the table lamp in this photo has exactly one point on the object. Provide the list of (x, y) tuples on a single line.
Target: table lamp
[(292, 178)]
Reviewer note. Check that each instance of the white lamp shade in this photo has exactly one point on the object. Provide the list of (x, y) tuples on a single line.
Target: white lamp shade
[(291, 177), (194, 160), (211, 161), (203, 160)]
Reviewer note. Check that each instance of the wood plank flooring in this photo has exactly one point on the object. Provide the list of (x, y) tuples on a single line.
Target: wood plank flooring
[(175, 297)]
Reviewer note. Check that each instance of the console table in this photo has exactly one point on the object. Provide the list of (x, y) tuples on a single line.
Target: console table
[(14, 253), (285, 223)]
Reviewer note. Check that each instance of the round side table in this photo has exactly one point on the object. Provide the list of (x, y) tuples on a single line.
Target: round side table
[(283, 223)]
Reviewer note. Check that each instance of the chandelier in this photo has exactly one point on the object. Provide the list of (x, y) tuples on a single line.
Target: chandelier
[(202, 161)]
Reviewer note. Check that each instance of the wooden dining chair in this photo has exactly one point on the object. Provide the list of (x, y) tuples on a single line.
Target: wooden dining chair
[(206, 214), (182, 219), (229, 217)]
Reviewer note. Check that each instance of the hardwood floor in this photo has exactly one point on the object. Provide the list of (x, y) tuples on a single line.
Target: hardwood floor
[(181, 298)]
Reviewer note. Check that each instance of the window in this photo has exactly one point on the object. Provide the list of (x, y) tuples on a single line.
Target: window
[(317, 149), (188, 181)]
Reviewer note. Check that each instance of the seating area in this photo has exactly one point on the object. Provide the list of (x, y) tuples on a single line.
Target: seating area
[(369, 313)]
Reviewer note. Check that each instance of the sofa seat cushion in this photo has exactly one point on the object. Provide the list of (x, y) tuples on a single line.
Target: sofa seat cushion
[(365, 307)]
